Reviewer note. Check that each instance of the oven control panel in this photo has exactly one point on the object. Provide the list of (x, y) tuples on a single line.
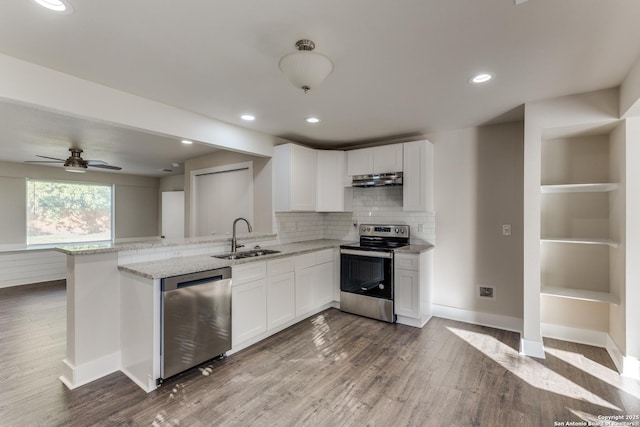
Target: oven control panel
[(384, 230)]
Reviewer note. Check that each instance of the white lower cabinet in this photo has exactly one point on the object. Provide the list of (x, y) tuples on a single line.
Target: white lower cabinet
[(269, 296), (281, 303), (304, 274), (248, 302), (412, 280), (407, 293), (324, 284), (314, 280)]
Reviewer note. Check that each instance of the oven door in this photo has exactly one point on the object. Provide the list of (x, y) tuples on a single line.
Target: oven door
[(368, 273)]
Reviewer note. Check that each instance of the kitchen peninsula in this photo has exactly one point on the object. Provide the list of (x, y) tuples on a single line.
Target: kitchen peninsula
[(113, 297)]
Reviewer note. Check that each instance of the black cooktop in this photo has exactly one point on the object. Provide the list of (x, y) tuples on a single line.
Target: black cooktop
[(381, 237)]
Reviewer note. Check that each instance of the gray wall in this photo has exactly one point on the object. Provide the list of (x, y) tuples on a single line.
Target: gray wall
[(136, 200), (479, 187)]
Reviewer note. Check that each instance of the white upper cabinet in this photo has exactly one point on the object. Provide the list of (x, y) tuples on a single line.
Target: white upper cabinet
[(334, 193), (295, 178), (387, 158), (417, 187), (383, 159), (360, 162)]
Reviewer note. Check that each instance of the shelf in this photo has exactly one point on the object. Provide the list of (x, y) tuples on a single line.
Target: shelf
[(579, 188), (580, 294), (588, 241)]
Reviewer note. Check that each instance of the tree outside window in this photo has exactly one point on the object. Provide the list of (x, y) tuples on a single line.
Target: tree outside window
[(65, 212)]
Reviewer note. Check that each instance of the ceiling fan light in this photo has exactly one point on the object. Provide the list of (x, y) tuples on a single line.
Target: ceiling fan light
[(306, 69), (76, 169)]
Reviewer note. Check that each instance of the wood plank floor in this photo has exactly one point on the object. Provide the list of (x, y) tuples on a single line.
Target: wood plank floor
[(334, 369)]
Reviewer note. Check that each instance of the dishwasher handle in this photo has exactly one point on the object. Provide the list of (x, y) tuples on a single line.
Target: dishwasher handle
[(187, 280)]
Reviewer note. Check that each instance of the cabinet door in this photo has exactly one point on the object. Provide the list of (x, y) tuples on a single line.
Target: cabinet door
[(303, 178), (294, 169), (323, 284), (331, 192), (304, 290), (407, 293), (281, 303), (387, 158), (417, 188), (360, 162), (248, 311)]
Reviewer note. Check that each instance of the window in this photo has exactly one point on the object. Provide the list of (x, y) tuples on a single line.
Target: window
[(68, 212)]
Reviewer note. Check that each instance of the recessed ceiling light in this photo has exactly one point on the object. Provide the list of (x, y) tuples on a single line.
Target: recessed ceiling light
[(58, 6), (248, 117), (186, 141), (312, 120), (481, 78)]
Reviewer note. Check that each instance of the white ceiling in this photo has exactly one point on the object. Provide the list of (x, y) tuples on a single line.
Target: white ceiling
[(401, 67)]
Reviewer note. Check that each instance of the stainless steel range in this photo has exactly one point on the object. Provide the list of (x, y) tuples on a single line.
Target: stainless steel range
[(366, 271)]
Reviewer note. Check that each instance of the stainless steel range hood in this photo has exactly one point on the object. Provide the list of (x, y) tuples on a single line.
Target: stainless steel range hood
[(377, 180)]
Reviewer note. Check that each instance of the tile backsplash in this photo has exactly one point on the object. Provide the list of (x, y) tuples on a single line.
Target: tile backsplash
[(379, 205)]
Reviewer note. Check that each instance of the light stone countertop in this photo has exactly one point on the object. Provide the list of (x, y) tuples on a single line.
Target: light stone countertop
[(90, 249), (177, 266), (414, 249)]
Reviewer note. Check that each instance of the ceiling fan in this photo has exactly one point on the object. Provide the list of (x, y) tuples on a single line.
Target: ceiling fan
[(75, 163)]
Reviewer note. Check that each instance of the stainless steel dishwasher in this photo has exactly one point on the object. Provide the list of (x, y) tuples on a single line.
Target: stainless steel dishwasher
[(196, 319)]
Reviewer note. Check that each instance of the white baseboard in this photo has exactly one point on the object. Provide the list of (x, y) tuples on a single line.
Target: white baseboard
[(75, 376), (478, 318), (409, 321), (532, 348), (627, 366), (577, 335)]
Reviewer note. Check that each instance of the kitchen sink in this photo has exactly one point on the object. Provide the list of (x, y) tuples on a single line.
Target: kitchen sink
[(247, 254)]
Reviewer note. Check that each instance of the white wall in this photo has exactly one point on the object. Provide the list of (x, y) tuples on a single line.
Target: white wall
[(136, 216), (478, 188)]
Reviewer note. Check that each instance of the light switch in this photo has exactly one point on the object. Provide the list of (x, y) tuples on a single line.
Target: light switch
[(506, 229)]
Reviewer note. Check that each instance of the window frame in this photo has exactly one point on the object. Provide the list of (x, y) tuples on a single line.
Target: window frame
[(111, 240)]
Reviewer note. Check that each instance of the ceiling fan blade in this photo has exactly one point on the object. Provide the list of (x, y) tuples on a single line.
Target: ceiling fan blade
[(51, 158), (44, 161), (95, 162), (115, 168)]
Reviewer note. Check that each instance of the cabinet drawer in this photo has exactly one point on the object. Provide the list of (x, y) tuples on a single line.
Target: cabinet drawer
[(323, 256), (280, 266), (248, 272), (407, 262)]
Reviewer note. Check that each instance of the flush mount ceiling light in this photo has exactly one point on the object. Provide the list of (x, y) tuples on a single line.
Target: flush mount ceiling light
[(58, 6), (305, 68), (186, 142), (481, 78), (248, 117), (312, 120)]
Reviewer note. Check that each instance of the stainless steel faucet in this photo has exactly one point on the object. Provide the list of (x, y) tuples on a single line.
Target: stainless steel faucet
[(234, 242)]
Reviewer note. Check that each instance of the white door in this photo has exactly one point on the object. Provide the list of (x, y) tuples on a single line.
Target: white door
[(173, 214), (221, 195)]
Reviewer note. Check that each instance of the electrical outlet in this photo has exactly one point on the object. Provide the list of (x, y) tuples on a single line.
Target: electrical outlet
[(486, 292), (506, 229)]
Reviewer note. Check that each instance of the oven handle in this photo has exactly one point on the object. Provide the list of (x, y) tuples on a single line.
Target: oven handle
[(370, 254)]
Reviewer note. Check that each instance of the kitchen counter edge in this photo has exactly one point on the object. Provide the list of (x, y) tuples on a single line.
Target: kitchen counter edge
[(414, 249), (90, 249), (178, 266)]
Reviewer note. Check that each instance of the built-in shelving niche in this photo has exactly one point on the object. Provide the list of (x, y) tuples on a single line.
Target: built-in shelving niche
[(578, 219)]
